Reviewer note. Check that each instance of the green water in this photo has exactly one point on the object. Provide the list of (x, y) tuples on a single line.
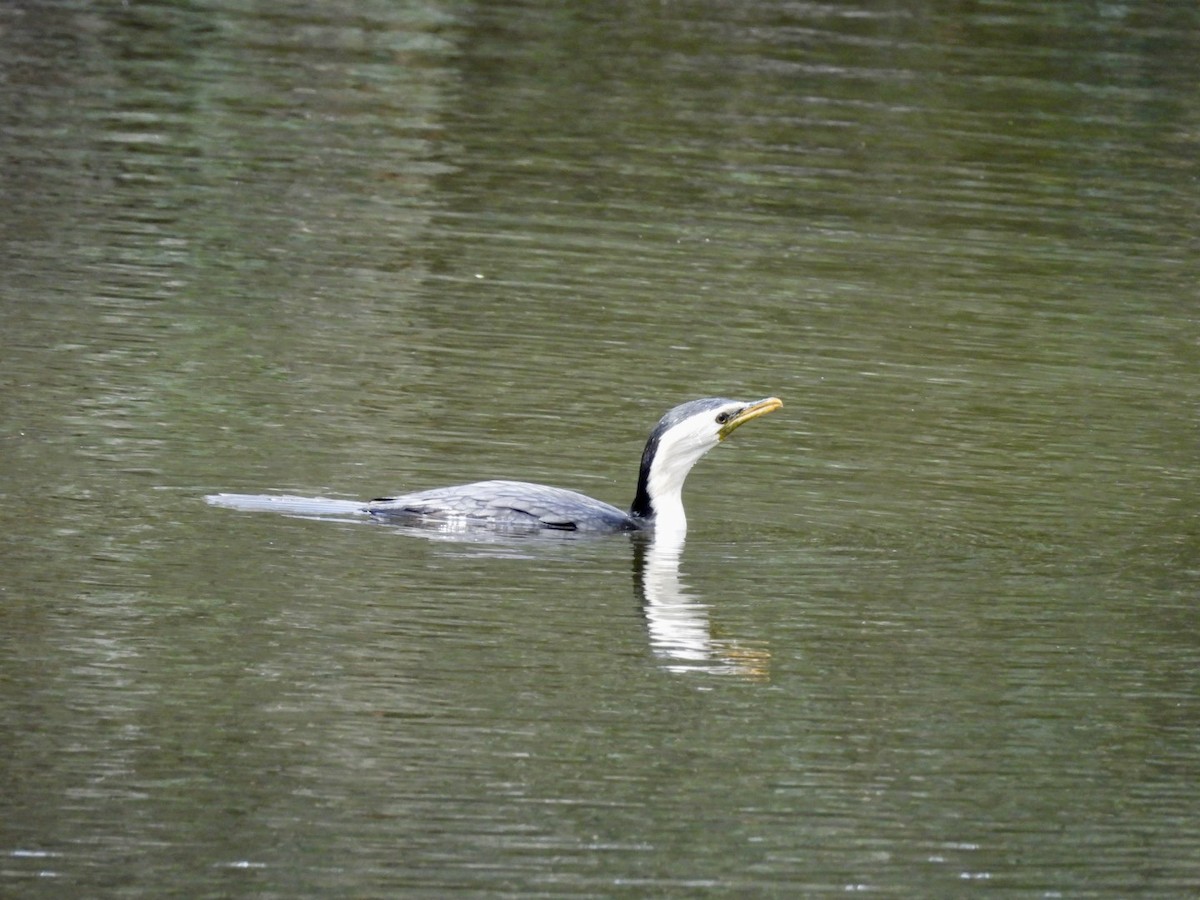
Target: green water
[(934, 630)]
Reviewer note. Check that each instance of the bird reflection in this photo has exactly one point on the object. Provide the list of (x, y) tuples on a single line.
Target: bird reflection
[(678, 625)]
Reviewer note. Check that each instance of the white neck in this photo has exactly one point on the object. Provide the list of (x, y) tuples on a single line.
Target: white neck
[(676, 455), (669, 517)]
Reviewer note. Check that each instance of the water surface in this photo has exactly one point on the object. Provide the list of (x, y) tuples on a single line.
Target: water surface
[(934, 627)]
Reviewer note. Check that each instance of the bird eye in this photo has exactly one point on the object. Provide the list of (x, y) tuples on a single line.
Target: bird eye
[(722, 418)]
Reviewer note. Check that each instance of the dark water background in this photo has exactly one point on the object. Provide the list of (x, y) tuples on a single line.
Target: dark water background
[(934, 630)]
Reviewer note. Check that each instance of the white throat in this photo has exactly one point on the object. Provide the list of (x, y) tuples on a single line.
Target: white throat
[(678, 450)]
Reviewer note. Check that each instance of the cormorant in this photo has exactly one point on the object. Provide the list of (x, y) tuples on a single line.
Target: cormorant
[(675, 444)]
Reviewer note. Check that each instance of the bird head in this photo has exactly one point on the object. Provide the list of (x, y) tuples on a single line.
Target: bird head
[(678, 441)]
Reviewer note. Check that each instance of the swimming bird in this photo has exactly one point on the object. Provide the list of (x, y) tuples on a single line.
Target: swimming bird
[(675, 444)]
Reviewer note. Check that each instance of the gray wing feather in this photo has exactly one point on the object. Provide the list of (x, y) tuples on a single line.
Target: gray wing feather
[(513, 504)]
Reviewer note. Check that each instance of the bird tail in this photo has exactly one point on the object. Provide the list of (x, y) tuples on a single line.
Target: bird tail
[(306, 507)]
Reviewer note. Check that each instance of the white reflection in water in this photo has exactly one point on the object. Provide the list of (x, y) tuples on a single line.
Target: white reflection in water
[(678, 624)]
